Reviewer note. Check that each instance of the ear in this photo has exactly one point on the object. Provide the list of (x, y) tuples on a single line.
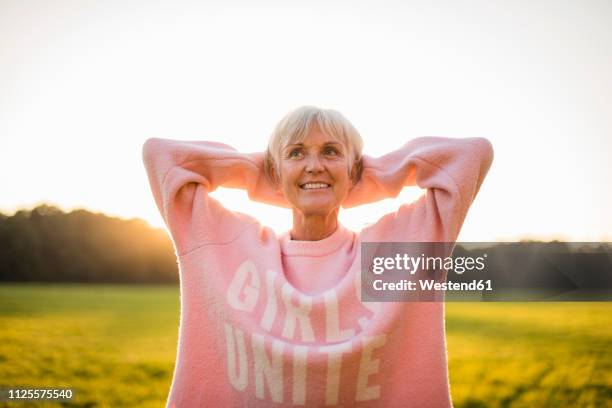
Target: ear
[(276, 182), (356, 171), (271, 173), (275, 179)]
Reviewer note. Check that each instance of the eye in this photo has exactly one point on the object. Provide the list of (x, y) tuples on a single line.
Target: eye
[(295, 153), (331, 151)]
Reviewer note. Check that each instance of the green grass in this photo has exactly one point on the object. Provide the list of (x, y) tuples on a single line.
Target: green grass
[(530, 354), (115, 345)]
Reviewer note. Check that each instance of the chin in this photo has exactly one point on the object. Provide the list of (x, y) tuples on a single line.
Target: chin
[(317, 205), (316, 212), (316, 209)]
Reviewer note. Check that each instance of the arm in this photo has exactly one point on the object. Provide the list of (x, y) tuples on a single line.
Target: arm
[(182, 173), (452, 171)]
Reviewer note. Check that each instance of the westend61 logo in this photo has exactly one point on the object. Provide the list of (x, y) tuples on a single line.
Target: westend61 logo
[(502, 271)]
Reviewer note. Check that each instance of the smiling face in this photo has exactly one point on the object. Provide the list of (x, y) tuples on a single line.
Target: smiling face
[(314, 174)]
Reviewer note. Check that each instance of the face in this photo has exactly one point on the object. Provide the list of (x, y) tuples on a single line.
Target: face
[(314, 174)]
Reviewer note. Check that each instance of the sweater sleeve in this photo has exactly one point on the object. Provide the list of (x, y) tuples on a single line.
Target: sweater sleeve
[(451, 171), (182, 173)]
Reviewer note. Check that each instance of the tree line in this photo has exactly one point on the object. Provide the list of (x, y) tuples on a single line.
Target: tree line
[(46, 244)]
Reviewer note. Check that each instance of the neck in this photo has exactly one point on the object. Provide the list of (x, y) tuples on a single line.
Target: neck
[(313, 227)]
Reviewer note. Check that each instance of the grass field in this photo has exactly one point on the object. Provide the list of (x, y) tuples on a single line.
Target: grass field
[(115, 345)]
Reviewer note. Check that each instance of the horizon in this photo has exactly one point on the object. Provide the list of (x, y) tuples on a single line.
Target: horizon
[(162, 226)]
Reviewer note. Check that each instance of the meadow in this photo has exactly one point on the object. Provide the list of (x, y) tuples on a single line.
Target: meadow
[(115, 346)]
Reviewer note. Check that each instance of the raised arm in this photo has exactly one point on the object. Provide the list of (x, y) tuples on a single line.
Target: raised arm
[(182, 173), (452, 171)]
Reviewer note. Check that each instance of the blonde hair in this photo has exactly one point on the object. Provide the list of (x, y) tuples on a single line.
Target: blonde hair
[(294, 127)]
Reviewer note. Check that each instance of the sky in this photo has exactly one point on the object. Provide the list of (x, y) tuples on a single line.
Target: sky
[(84, 83)]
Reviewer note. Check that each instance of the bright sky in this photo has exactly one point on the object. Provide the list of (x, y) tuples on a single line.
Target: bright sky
[(84, 83)]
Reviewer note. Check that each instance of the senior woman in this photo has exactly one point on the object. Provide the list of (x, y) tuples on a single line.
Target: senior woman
[(269, 320)]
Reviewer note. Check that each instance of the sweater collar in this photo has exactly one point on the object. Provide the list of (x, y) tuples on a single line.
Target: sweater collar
[(322, 247)]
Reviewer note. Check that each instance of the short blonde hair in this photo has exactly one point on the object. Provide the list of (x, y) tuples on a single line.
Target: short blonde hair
[(294, 128)]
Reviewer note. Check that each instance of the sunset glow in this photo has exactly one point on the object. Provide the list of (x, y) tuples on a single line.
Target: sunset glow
[(85, 84)]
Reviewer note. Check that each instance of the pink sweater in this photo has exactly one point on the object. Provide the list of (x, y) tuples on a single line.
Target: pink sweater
[(269, 322)]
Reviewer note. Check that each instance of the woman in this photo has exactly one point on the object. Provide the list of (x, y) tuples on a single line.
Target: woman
[(271, 320)]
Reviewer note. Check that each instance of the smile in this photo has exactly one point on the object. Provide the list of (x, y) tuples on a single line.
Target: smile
[(314, 186)]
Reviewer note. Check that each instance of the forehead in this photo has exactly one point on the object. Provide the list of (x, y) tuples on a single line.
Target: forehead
[(314, 136)]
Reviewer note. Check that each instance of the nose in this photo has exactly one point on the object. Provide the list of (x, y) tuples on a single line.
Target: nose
[(314, 164)]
